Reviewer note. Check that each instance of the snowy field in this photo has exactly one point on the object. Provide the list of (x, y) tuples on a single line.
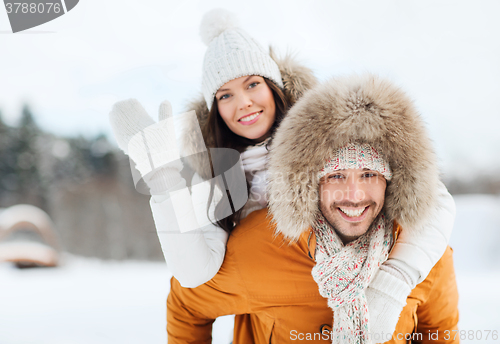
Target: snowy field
[(87, 301)]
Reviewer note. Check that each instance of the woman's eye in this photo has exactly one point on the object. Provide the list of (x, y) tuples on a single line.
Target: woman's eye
[(335, 176), (253, 84), (369, 175), (224, 96)]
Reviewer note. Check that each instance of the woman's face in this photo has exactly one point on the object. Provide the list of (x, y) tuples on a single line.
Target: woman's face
[(247, 106)]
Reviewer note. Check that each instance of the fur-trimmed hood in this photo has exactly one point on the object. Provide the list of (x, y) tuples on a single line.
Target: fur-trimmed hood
[(363, 109), (297, 79)]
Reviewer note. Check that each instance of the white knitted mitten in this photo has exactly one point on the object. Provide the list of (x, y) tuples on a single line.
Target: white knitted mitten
[(150, 145), (386, 296)]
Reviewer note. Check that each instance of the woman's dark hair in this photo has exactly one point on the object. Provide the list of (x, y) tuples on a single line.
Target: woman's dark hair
[(223, 137)]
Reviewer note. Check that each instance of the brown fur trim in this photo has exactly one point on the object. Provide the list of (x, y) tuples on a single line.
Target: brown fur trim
[(297, 79), (342, 110)]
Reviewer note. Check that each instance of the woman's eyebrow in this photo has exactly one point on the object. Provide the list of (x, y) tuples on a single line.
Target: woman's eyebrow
[(227, 89)]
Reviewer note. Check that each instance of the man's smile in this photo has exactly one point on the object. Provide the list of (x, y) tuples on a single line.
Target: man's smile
[(353, 214)]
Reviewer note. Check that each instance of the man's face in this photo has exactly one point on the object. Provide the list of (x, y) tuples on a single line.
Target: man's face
[(351, 199)]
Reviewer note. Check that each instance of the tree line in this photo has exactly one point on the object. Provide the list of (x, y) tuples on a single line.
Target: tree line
[(84, 184)]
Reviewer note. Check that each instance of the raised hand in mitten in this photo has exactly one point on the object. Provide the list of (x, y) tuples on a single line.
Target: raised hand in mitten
[(150, 145)]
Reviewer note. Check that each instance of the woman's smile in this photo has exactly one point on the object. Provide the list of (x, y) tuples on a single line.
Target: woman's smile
[(250, 118)]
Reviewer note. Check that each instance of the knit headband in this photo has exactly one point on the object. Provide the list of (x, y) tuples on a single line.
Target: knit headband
[(357, 156)]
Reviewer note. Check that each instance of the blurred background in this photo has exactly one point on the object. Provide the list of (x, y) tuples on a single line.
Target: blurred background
[(59, 81)]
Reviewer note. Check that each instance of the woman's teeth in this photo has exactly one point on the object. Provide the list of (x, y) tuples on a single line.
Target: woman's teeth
[(353, 213), (251, 117)]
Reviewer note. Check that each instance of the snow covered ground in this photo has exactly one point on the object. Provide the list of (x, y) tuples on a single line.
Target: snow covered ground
[(88, 301), (476, 244)]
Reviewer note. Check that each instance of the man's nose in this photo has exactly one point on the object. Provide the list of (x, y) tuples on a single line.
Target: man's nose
[(355, 192)]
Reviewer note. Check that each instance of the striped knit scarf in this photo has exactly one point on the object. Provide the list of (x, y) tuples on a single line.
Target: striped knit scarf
[(344, 272)]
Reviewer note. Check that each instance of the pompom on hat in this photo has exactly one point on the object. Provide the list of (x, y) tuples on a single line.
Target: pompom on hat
[(231, 54)]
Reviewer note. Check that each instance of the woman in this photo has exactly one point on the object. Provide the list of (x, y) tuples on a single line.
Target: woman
[(239, 112), (246, 94)]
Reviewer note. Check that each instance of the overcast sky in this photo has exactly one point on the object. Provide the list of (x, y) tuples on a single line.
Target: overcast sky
[(443, 53)]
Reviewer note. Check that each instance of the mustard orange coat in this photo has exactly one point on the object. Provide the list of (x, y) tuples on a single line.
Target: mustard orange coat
[(267, 283)]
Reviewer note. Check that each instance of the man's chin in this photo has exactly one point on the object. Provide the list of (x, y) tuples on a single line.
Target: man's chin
[(354, 230), (350, 230)]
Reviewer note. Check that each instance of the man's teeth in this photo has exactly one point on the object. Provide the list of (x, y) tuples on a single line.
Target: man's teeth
[(249, 118), (353, 213)]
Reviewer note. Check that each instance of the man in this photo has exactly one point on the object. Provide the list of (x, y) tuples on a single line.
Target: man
[(349, 162)]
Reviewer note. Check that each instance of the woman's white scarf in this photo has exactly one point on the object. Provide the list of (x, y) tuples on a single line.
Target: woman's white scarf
[(344, 272), (254, 160)]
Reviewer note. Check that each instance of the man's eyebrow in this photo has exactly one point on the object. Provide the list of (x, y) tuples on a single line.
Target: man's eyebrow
[(329, 174)]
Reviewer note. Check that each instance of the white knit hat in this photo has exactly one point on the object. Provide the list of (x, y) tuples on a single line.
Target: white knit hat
[(231, 54), (357, 156)]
